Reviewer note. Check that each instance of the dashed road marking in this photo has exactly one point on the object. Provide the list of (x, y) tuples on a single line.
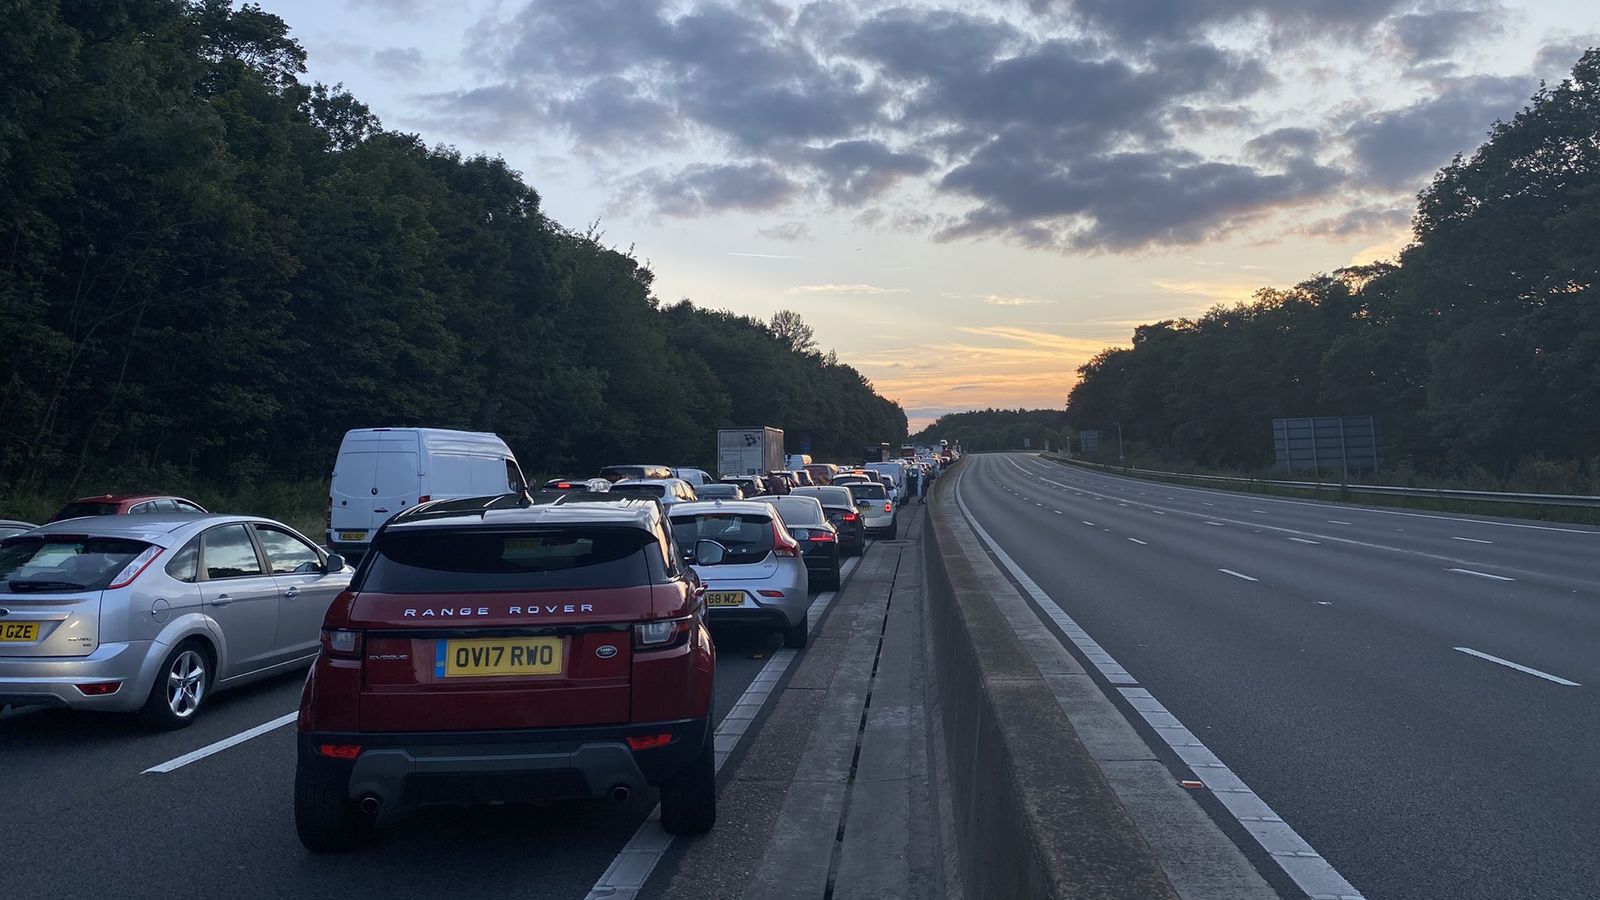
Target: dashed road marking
[(1518, 666), (211, 749), (1237, 574), (1139, 542), (1471, 540), (1480, 574), (1303, 541)]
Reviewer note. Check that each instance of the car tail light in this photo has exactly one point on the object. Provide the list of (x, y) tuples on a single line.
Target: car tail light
[(341, 642), (821, 537), (564, 486), (648, 741), (888, 507), (99, 688), (850, 517), (778, 595), (330, 513), (782, 543), (134, 567), (662, 634), (339, 751), (424, 498)]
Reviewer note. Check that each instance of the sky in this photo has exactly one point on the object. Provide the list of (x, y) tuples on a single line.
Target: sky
[(966, 200)]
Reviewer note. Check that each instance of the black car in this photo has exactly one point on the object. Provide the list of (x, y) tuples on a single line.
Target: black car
[(819, 540), (839, 505)]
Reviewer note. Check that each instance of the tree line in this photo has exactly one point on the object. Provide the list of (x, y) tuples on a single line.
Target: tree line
[(1478, 350), (999, 429), (213, 268)]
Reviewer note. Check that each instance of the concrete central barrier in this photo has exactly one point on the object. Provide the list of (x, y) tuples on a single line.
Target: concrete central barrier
[(1033, 814)]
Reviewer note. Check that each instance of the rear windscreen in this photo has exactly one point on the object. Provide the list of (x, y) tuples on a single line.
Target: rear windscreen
[(452, 561), (869, 491), (748, 537), (799, 510), (64, 564), (79, 510), (643, 490)]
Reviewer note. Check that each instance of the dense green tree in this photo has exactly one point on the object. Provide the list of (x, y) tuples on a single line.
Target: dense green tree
[(213, 269)]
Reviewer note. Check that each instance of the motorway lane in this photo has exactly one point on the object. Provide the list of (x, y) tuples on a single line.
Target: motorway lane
[(224, 825), (1329, 684)]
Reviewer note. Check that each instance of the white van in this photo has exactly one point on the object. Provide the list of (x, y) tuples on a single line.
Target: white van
[(381, 471), (894, 475), (797, 460)]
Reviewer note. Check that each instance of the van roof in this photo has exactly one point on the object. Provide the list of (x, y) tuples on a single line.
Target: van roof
[(432, 438)]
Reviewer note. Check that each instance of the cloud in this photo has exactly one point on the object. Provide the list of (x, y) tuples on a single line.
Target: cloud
[(1283, 144), (702, 188), (863, 289), (409, 10), (1424, 37), (998, 300), (857, 171), (786, 231), (1560, 52), (611, 112), (1362, 220), (1144, 20), (1398, 148), (404, 62)]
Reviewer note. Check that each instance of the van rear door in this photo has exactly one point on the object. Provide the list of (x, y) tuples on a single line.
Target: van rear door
[(375, 477)]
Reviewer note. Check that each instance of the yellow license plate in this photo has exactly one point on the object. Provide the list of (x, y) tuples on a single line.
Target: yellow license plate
[(19, 631), (725, 598), (352, 535), (497, 656)]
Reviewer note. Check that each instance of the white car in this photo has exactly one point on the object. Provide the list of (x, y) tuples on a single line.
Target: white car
[(878, 510), (670, 491)]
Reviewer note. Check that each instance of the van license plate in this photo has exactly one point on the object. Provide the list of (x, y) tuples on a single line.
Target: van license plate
[(471, 657), (17, 632), (725, 598), (352, 535)]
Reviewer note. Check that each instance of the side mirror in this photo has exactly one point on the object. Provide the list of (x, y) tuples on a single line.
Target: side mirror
[(709, 553), (335, 563)]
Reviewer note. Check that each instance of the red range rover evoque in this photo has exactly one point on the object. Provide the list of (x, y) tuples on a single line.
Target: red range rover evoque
[(510, 649)]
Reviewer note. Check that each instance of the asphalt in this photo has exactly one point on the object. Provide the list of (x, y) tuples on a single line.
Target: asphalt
[(82, 821), (1330, 683)]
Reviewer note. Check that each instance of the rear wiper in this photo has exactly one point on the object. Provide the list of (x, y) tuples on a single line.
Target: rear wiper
[(23, 585)]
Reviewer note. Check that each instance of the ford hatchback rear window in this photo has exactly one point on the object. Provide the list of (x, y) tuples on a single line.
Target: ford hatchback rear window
[(64, 564), (446, 561)]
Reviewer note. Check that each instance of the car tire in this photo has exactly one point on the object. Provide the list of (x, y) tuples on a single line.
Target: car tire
[(325, 817), (182, 686), (689, 798), (836, 577), (796, 636), (893, 530)]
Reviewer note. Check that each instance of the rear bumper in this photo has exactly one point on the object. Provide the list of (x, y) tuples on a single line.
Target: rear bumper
[(53, 680), (350, 549), (414, 769)]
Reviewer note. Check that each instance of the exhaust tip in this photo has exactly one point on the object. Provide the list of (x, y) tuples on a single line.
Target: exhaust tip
[(620, 793), (370, 804)]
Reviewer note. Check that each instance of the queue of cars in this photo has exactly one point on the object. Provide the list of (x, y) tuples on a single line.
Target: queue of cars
[(554, 640)]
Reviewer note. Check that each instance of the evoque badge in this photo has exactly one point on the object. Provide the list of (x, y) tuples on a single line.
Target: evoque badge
[(605, 651)]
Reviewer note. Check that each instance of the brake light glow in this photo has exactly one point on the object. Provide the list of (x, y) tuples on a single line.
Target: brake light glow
[(821, 537), (564, 485), (99, 688), (888, 507), (134, 567), (850, 517), (341, 642), (648, 741), (339, 751), (782, 543)]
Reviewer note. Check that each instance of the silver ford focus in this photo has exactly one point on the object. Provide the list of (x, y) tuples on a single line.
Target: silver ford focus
[(153, 613)]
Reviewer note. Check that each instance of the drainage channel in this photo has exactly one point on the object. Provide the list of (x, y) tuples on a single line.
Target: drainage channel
[(861, 730)]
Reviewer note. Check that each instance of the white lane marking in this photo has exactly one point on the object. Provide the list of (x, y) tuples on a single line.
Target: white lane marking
[(1350, 542), (1480, 574), (1302, 541), (1259, 512), (1237, 574), (1518, 666), (1218, 524), (209, 749), (1298, 859), (1594, 533), (1139, 542), (1471, 540), (1210, 504), (1337, 522), (1087, 522), (1060, 513), (625, 877)]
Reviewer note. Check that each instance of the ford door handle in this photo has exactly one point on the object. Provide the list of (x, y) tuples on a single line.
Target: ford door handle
[(222, 600), (291, 593)]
